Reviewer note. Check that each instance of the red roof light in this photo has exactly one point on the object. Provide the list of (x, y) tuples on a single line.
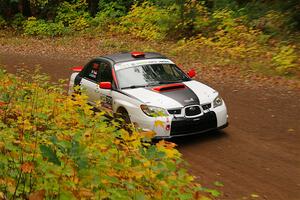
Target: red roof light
[(77, 69), (137, 54)]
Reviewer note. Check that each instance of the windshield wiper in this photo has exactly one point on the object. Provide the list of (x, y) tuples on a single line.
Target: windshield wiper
[(167, 82), (134, 86)]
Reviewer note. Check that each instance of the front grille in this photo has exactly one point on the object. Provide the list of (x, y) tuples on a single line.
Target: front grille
[(174, 111), (206, 106), (205, 122), (192, 111)]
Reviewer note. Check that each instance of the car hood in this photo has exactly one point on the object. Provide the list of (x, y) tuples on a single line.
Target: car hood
[(194, 93)]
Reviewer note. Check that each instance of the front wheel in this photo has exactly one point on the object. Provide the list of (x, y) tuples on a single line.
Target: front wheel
[(123, 114)]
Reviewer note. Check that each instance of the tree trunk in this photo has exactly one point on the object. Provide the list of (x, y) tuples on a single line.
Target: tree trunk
[(93, 6), (25, 7)]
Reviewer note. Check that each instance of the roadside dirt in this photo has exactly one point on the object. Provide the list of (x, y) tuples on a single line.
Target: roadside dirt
[(256, 157)]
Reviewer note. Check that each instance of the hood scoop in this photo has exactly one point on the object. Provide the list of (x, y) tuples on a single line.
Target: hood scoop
[(169, 87)]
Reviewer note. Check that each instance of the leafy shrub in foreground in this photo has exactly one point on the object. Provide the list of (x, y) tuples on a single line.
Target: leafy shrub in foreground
[(55, 147)]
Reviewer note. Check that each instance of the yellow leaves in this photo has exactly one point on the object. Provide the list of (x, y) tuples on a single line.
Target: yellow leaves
[(78, 151), (27, 167), (166, 144), (147, 134), (159, 123), (2, 195), (168, 148), (285, 60), (254, 195), (203, 198), (147, 163)]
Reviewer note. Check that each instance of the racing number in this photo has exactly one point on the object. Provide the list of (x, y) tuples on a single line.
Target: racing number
[(106, 101)]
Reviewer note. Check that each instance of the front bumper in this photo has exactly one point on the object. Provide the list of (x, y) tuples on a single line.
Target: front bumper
[(183, 127), (172, 126)]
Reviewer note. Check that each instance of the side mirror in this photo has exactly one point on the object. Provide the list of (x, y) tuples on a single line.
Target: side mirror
[(191, 73), (105, 85)]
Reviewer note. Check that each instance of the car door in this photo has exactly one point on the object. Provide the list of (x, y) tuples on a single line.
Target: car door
[(95, 72), (90, 80), (105, 95)]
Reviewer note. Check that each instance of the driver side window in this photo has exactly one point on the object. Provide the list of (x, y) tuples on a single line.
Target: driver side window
[(98, 72), (105, 73)]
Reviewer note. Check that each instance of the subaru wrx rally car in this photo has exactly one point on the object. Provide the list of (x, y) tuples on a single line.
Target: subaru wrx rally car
[(148, 87)]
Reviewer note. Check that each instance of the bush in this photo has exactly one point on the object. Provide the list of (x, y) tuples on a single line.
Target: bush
[(41, 28), (147, 21), (54, 146), (285, 60), (109, 13), (73, 15), (18, 21), (231, 40)]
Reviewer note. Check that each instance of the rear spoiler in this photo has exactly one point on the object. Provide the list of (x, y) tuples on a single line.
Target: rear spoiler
[(77, 68)]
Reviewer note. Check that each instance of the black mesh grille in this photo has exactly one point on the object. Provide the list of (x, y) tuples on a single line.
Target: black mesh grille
[(206, 106), (192, 111), (174, 111), (205, 122)]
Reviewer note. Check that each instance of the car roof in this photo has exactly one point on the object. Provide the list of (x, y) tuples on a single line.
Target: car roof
[(125, 57)]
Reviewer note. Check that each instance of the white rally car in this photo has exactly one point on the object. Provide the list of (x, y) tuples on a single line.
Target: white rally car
[(146, 88)]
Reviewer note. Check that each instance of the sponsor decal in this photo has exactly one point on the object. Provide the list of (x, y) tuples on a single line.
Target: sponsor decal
[(142, 62)]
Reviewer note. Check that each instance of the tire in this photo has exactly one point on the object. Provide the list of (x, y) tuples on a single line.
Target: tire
[(125, 123), (123, 114)]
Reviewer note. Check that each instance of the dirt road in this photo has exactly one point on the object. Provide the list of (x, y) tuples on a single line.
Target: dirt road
[(256, 157)]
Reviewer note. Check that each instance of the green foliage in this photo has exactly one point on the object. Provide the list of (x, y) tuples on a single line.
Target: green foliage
[(73, 15), (39, 3), (231, 39), (54, 146), (41, 28), (285, 60), (18, 21), (109, 14), (147, 21)]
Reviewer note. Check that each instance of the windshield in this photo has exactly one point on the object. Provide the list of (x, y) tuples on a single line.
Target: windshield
[(148, 75)]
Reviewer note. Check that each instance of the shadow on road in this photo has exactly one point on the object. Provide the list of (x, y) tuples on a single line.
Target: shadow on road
[(200, 138)]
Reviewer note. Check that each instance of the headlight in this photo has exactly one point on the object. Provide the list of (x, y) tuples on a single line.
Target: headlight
[(218, 101), (154, 111)]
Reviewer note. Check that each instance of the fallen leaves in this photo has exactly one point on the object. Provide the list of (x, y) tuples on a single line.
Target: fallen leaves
[(291, 130), (27, 167), (37, 195)]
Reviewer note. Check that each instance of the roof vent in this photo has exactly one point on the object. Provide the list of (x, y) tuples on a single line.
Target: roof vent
[(169, 87)]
